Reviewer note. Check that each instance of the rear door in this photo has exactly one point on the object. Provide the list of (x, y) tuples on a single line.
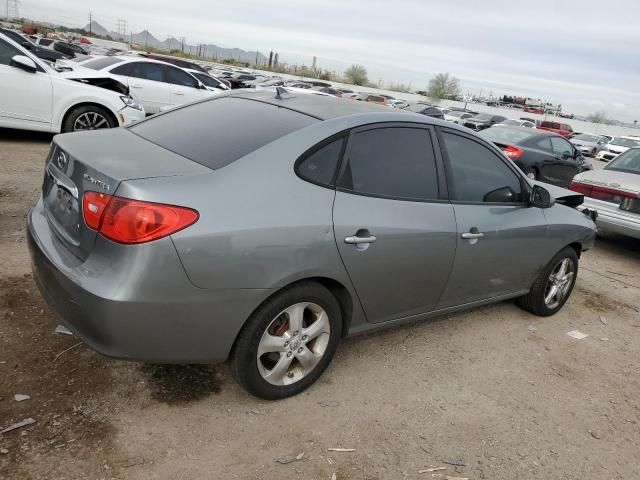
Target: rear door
[(546, 171), (565, 166), (395, 234), (147, 84), (500, 243), (183, 87)]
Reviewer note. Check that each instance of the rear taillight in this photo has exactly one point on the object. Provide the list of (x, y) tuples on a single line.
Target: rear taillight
[(124, 220), (605, 194), (512, 152)]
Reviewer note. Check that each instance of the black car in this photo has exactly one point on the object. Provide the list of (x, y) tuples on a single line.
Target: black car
[(43, 53), (483, 120), (425, 109), (70, 49), (541, 155)]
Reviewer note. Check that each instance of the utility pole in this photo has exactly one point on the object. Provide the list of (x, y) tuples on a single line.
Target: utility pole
[(121, 28), (90, 25)]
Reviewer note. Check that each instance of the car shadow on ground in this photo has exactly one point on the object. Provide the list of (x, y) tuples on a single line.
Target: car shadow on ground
[(24, 136), (618, 244)]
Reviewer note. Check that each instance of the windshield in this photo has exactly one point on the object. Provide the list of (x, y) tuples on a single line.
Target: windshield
[(455, 114), (508, 136), (625, 142), (483, 117), (515, 123), (100, 63), (206, 79), (628, 161), (586, 137)]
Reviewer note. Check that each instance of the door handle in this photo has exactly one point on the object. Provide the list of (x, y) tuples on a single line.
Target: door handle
[(357, 240), (136, 85), (471, 236), (178, 93)]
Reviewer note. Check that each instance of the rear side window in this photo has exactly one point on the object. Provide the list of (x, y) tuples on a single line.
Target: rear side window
[(180, 77), (148, 71), (319, 166), (217, 132), (475, 171), (124, 69), (543, 144), (101, 63), (393, 162)]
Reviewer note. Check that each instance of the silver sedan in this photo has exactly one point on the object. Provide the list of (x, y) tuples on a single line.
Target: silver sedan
[(261, 228)]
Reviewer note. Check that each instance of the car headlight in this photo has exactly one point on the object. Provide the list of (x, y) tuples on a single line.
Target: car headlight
[(131, 103)]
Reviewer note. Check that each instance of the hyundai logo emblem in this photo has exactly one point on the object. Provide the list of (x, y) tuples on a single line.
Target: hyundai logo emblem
[(62, 161)]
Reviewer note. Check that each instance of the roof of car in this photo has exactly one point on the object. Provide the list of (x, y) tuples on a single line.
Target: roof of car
[(321, 107)]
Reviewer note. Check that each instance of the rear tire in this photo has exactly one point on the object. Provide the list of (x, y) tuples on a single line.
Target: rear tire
[(553, 287), (88, 117), (295, 352)]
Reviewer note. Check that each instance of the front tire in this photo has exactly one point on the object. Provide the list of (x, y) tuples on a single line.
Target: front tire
[(88, 117), (554, 285), (288, 342)]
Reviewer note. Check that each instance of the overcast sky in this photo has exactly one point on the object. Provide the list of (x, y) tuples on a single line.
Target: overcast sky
[(584, 54)]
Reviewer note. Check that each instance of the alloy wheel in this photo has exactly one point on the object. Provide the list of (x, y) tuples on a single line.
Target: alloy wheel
[(293, 343), (90, 121), (559, 283)]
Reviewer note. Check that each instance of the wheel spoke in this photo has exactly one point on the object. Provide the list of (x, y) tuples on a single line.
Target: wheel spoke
[(295, 314), (308, 359), (321, 325), (563, 268), (271, 343), (551, 295), (101, 122), (277, 373)]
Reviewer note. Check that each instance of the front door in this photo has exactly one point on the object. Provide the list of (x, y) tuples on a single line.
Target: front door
[(396, 237), (500, 238), (565, 167), (183, 87), (25, 97), (147, 85)]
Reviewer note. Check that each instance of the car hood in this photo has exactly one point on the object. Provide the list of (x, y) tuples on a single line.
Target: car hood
[(582, 143), (612, 179), (95, 78), (563, 195)]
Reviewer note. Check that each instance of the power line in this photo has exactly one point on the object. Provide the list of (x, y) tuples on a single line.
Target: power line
[(121, 27), (12, 9)]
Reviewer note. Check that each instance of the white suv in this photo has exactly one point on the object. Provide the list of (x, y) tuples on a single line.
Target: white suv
[(34, 96)]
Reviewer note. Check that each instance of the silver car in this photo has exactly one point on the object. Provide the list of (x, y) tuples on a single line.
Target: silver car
[(263, 227), (614, 192), (589, 144)]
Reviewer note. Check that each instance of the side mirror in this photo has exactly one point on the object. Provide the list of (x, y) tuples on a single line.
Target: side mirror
[(27, 45), (567, 155), (23, 63), (540, 197), (502, 195)]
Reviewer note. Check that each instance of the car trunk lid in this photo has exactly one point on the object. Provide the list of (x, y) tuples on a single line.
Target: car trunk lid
[(79, 162)]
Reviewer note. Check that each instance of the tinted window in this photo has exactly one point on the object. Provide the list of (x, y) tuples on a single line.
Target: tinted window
[(180, 77), (101, 63), (7, 52), (320, 166), (543, 144), (207, 80), (628, 161), (45, 41), (148, 71), (124, 69), (474, 170), (392, 162), (217, 132), (560, 145)]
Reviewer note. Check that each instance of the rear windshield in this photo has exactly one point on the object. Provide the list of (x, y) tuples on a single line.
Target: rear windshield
[(101, 63), (508, 136), (218, 132)]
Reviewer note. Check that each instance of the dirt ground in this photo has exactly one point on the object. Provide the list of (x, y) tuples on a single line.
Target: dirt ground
[(493, 393)]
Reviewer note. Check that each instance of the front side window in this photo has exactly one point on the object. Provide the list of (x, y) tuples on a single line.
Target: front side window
[(561, 146), (320, 165), (179, 77), (7, 52), (395, 162), (476, 173)]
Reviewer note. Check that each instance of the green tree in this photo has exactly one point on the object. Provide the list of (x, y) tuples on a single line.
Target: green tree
[(598, 117), (443, 85), (356, 74)]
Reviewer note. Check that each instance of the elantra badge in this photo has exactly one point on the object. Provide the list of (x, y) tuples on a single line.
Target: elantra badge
[(95, 181)]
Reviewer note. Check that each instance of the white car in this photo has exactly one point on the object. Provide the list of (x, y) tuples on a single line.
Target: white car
[(510, 122), (458, 117), (153, 83), (34, 96), (617, 146), (209, 81)]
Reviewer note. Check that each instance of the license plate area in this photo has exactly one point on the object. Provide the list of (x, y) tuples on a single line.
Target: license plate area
[(62, 205), (630, 205)]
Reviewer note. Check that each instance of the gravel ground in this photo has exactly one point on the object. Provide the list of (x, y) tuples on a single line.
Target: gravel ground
[(493, 393)]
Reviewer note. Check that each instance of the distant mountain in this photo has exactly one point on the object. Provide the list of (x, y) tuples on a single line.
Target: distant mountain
[(146, 38)]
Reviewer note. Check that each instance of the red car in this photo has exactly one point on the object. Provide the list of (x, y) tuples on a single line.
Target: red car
[(563, 129)]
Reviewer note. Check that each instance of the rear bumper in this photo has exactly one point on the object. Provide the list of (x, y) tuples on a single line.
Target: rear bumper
[(611, 218), (134, 310)]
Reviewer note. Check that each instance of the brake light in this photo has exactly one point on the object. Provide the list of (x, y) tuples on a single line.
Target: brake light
[(605, 194), (512, 152), (124, 220)]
